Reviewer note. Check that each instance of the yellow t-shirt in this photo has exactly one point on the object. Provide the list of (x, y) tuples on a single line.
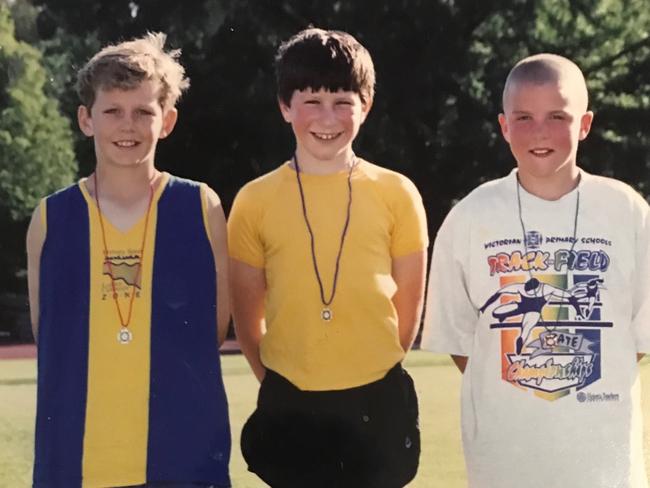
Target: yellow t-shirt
[(266, 229)]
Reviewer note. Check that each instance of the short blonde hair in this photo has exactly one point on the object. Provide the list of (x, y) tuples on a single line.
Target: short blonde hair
[(545, 68), (124, 66)]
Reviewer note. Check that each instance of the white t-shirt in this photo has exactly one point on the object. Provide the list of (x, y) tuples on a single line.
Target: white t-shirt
[(551, 394)]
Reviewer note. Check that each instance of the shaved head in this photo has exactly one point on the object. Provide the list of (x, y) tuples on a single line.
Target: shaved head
[(545, 68)]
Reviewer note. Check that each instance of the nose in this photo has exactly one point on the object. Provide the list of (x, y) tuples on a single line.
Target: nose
[(328, 115), (540, 129), (128, 121)]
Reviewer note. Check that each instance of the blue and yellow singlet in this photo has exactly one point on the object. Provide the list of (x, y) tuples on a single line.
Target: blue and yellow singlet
[(113, 414)]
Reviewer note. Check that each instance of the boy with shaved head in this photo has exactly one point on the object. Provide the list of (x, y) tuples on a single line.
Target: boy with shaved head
[(551, 392)]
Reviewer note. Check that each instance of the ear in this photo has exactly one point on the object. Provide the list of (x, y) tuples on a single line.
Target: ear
[(85, 121), (285, 110), (169, 122), (585, 124), (503, 123), (365, 109)]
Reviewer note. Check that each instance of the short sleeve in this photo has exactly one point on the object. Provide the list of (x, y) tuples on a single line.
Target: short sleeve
[(244, 238), (410, 222), (450, 316), (641, 302)]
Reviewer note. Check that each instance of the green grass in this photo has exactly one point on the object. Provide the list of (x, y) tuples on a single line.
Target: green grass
[(437, 382)]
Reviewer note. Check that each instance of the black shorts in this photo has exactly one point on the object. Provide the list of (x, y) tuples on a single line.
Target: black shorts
[(363, 437)]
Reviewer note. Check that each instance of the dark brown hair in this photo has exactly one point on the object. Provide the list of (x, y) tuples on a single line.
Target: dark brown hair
[(316, 58)]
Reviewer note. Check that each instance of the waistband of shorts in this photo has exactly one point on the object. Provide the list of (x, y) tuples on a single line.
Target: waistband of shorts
[(279, 380)]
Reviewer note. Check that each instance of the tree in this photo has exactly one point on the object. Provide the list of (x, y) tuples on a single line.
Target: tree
[(36, 153), (609, 40), (441, 65)]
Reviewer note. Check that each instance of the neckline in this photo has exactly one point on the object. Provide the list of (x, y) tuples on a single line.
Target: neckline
[(541, 203), (317, 178), (90, 201)]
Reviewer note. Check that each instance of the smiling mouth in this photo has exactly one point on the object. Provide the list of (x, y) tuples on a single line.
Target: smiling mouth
[(126, 144), (322, 136), (541, 152)]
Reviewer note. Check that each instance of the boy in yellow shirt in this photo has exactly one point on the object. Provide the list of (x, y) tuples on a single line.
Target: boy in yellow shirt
[(328, 259)]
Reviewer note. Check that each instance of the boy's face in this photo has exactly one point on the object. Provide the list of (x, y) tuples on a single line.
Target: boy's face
[(325, 123), (543, 124), (126, 124)]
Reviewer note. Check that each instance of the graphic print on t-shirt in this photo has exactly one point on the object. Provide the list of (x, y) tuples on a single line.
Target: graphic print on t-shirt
[(548, 311), (122, 268)]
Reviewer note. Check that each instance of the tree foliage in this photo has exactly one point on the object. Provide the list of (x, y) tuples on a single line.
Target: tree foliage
[(440, 66), (36, 155), (610, 40)]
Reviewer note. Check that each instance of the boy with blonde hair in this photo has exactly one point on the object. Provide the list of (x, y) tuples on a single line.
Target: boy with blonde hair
[(127, 279), (327, 263), (540, 291)]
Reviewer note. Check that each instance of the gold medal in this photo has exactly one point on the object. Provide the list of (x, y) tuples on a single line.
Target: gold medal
[(326, 314), (124, 336)]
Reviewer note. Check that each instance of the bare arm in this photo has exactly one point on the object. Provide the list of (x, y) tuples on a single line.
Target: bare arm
[(409, 272), (564, 295), (513, 289), (461, 362), (35, 239), (558, 292), (219, 242), (248, 290)]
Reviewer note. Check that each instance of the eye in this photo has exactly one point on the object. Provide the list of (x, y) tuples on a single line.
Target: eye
[(344, 102), (111, 111), (145, 112), (312, 101), (558, 116), (523, 117)]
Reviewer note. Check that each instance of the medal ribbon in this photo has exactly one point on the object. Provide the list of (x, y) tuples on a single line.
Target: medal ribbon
[(344, 232), (107, 262)]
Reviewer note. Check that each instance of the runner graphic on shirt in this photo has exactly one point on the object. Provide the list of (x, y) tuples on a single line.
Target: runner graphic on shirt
[(533, 297), (589, 291), (550, 323)]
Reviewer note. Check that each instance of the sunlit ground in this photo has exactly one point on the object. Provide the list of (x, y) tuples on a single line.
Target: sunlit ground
[(437, 382)]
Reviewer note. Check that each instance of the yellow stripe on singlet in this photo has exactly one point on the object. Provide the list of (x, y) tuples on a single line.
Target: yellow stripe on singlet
[(117, 408)]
